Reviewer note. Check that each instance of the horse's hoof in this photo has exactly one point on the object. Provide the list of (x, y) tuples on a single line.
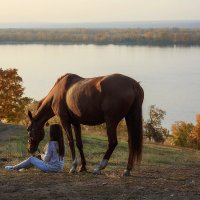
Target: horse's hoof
[(97, 172), (82, 169), (72, 171), (126, 172)]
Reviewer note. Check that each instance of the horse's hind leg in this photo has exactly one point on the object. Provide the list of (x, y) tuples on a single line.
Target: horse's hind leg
[(129, 123), (67, 126), (135, 136), (79, 144), (112, 143)]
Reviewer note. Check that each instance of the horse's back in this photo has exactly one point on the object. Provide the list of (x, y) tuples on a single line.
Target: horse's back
[(118, 93), (117, 81), (91, 100)]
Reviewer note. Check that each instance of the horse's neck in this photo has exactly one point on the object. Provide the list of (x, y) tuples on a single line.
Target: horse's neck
[(44, 112)]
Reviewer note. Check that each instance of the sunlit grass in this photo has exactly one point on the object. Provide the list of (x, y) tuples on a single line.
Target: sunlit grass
[(13, 150), (170, 156)]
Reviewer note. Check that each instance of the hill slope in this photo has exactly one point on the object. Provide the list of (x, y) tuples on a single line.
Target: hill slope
[(165, 173)]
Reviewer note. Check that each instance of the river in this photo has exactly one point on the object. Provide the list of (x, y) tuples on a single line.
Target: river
[(170, 76)]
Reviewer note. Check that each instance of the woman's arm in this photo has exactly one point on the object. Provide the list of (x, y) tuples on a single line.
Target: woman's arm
[(46, 157)]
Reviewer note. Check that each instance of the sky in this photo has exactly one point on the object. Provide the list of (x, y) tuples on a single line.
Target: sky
[(77, 11)]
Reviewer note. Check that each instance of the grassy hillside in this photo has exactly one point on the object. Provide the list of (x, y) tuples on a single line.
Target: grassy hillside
[(165, 173), (13, 140)]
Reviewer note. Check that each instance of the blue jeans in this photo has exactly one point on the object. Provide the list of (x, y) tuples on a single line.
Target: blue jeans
[(33, 161)]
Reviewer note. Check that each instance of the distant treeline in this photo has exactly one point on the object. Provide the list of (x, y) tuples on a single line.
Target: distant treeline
[(161, 37)]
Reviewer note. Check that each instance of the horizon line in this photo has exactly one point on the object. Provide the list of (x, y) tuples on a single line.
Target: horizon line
[(104, 25), (91, 22)]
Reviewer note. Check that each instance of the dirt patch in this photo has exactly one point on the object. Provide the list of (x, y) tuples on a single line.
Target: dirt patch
[(148, 183)]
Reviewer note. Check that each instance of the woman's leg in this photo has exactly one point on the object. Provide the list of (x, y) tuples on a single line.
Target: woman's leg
[(32, 161), (24, 164)]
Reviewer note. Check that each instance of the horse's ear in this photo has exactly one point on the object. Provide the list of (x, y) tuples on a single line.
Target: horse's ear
[(30, 115), (47, 124)]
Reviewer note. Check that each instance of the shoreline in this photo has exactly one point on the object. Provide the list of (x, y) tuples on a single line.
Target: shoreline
[(130, 37)]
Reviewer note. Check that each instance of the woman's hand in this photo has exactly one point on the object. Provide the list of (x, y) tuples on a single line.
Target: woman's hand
[(39, 157)]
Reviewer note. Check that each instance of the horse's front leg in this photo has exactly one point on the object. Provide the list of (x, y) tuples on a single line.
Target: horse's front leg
[(67, 126), (79, 144)]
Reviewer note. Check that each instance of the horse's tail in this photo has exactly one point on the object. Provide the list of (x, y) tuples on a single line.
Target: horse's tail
[(134, 122)]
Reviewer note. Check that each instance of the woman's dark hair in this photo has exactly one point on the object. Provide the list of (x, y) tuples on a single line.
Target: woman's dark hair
[(56, 134)]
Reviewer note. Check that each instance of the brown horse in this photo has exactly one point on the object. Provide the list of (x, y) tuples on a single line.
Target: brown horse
[(92, 101)]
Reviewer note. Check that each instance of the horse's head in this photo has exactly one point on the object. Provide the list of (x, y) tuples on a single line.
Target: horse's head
[(35, 134)]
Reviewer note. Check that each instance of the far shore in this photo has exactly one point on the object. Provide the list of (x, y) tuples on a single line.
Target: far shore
[(141, 37)]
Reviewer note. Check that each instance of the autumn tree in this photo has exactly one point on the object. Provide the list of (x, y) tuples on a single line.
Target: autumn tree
[(153, 129), (28, 104), (12, 101), (181, 132), (195, 134)]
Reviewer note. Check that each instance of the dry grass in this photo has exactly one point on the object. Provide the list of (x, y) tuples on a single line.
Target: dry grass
[(166, 173)]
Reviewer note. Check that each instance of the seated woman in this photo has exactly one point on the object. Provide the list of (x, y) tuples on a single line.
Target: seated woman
[(53, 158)]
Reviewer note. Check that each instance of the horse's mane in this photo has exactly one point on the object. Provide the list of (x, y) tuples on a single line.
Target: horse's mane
[(58, 80), (40, 103)]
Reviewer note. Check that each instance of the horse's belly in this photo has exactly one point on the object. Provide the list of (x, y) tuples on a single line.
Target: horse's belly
[(87, 118), (85, 111), (91, 121)]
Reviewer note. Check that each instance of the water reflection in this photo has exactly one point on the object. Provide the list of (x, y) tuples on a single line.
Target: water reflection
[(169, 76)]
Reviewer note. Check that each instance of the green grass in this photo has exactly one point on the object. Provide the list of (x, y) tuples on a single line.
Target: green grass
[(13, 150), (170, 156)]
